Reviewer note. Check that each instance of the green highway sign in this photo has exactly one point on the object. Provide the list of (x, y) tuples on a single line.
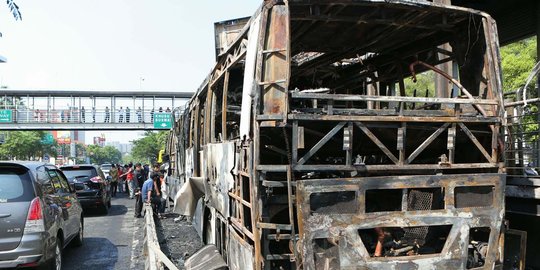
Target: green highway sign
[(5, 116), (47, 139), (163, 120)]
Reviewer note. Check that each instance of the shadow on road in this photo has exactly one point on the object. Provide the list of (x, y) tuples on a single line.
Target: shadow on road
[(95, 253), (115, 210)]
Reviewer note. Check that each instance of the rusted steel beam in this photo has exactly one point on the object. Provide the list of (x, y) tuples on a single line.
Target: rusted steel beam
[(376, 140), (275, 65), (224, 106), (379, 168), (356, 118), (321, 143), (426, 143), (356, 20), (344, 97), (476, 142)]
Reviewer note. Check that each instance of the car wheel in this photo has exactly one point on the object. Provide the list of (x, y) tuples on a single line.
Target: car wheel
[(78, 240), (56, 262)]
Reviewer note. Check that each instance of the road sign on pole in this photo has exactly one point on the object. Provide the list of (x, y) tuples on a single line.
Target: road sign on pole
[(6, 116), (47, 139), (163, 120)]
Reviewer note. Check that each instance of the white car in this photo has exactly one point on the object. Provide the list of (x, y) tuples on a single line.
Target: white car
[(106, 168)]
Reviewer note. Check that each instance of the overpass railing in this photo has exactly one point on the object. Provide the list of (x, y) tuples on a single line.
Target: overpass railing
[(75, 115)]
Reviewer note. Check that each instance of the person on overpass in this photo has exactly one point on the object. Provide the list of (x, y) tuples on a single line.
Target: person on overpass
[(128, 114), (121, 115), (139, 114), (107, 115), (83, 115)]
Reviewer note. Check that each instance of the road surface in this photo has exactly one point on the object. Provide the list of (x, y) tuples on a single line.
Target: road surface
[(112, 241)]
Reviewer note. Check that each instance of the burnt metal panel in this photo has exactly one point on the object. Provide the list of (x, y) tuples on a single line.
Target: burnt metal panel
[(342, 228)]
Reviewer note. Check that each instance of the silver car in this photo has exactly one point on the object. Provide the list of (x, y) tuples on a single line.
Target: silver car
[(39, 215)]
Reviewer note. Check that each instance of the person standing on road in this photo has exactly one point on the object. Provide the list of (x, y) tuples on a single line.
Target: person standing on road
[(130, 181), (120, 179), (114, 181), (148, 194), (155, 169), (162, 194), (146, 170), (138, 175), (140, 179)]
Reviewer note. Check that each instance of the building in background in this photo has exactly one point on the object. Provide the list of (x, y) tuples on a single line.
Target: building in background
[(65, 137), (124, 148), (100, 140)]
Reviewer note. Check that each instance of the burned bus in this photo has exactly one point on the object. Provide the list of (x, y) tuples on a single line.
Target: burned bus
[(345, 134)]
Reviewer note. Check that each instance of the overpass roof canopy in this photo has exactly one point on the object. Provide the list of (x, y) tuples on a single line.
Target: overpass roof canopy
[(516, 19), (95, 93)]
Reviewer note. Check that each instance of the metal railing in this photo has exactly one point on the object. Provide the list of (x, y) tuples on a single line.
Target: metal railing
[(75, 116)]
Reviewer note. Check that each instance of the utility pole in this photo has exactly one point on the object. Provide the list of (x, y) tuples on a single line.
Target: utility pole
[(73, 152)]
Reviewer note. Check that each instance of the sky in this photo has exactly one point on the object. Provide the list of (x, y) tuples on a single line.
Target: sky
[(117, 45)]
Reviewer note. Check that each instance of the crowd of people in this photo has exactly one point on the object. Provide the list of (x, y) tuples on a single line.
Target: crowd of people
[(142, 183), (73, 115)]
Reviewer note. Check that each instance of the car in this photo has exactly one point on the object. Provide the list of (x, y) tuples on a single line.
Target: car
[(39, 215), (106, 168), (92, 187)]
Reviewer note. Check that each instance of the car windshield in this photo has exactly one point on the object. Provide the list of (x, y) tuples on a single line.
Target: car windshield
[(73, 172), (15, 185)]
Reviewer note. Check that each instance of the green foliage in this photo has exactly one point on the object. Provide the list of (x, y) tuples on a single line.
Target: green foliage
[(100, 155), (518, 59), (425, 82), (25, 145), (127, 158), (14, 9), (147, 149)]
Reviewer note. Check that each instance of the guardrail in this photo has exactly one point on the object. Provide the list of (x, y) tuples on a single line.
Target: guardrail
[(155, 258)]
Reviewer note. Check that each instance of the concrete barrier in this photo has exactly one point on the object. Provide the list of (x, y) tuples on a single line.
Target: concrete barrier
[(155, 258)]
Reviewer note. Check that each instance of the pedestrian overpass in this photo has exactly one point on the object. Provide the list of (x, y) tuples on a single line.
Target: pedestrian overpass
[(88, 110)]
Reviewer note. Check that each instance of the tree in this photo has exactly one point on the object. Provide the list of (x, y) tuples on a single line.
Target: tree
[(518, 59), (14, 10), (26, 145), (147, 148), (100, 155), (127, 158)]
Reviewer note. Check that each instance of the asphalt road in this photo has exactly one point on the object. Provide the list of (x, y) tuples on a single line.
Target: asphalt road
[(112, 241)]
